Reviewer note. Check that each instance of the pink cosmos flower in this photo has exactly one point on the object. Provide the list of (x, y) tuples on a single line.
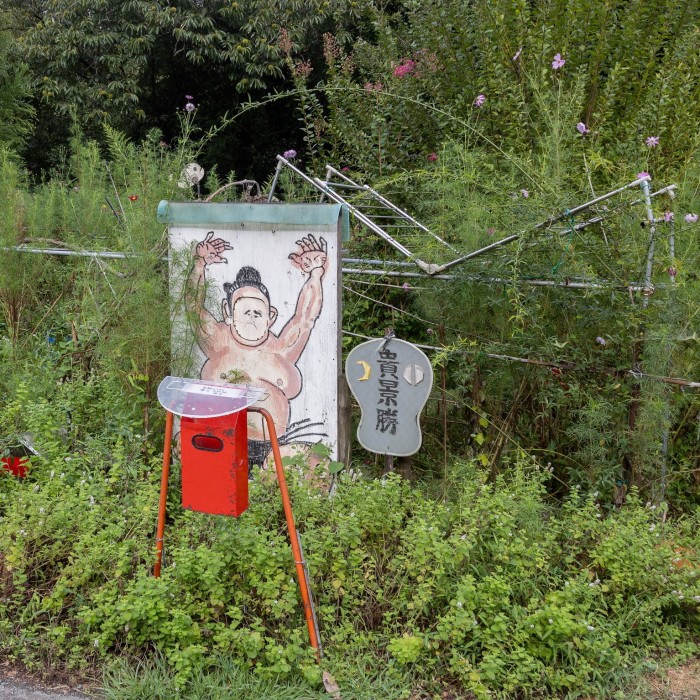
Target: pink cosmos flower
[(600, 340), (479, 101), (581, 128), (668, 216), (643, 174), (652, 141), (491, 231), (691, 218), (404, 68), (189, 107), (558, 62), (672, 272), (291, 153), (517, 54), (525, 193), (432, 157), (406, 286)]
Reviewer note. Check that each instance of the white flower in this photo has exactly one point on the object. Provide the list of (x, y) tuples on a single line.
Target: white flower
[(96, 643), (41, 510), (652, 528), (590, 628), (551, 622), (53, 474), (459, 603), (63, 475)]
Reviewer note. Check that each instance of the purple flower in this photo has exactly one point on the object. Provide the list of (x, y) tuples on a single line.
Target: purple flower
[(189, 98), (558, 62), (691, 218), (652, 141), (406, 286), (189, 107), (672, 272), (517, 54), (479, 101), (525, 193), (600, 341), (668, 216), (291, 153), (581, 128), (432, 157), (642, 175)]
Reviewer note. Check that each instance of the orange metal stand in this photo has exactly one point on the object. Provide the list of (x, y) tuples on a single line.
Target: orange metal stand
[(299, 562)]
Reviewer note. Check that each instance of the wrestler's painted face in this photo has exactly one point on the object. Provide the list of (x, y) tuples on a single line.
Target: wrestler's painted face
[(252, 316)]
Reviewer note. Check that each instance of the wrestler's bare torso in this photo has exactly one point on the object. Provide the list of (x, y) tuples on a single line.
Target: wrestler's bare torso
[(269, 369), (249, 350)]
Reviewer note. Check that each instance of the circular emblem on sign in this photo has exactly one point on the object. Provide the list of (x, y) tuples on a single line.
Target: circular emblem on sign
[(413, 374)]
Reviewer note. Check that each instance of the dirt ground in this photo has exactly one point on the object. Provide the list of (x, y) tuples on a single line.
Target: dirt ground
[(682, 683)]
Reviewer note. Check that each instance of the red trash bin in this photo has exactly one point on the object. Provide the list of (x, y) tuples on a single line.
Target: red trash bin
[(214, 453)]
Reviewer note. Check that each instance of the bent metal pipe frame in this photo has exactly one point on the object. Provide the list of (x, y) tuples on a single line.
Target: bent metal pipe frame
[(299, 561)]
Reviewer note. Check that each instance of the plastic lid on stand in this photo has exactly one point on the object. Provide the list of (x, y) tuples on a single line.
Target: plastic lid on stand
[(196, 398)]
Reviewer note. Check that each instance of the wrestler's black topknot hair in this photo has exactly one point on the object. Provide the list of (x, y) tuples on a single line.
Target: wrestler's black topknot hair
[(246, 277)]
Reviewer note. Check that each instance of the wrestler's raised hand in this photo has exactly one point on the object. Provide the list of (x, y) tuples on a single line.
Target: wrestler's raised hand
[(311, 254), (210, 249)]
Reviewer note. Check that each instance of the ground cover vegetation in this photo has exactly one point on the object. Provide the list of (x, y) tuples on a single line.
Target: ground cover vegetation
[(548, 542)]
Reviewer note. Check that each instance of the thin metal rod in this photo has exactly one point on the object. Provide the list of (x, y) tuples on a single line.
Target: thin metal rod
[(498, 280), (365, 220), (278, 170), (299, 562), (548, 222), (76, 253), (687, 383), (363, 261), (652, 242), (163, 492), (390, 205)]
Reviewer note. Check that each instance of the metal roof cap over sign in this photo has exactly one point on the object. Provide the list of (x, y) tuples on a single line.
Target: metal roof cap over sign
[(391, 380)]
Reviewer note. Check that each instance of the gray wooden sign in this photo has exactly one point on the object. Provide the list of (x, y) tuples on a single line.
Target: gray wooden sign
[(391, 380)]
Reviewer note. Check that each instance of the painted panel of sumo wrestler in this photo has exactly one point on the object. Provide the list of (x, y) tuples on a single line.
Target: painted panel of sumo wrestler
[(263, 306)]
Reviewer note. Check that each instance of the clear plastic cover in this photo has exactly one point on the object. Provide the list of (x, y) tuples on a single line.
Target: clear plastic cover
[(196, 398)]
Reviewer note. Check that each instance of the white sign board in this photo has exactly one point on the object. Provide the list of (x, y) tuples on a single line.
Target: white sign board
[(256, 302), (391, 380)]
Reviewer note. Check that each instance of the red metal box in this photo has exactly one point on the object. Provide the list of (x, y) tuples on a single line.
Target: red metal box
[(215, 463)]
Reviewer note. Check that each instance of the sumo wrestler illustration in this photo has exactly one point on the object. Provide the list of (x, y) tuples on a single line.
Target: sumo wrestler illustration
[(241, 347)]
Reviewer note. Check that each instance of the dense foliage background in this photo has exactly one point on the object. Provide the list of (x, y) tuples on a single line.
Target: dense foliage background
[(483, 119)]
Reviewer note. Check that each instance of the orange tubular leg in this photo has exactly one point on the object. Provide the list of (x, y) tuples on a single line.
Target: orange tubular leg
[(293, 536), (163, 492)]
